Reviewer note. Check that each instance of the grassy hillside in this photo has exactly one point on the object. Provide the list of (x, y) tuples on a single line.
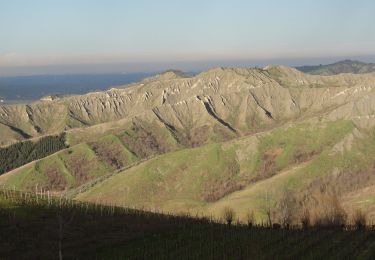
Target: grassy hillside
[(198, 179), (71, 167), (245, 173), (348, 173), (92, 155), (111, 150), (48, 228), (18, 154), (63, 170)]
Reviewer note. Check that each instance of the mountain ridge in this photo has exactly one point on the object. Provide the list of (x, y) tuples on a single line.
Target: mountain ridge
[(344, 66), (218, 89)]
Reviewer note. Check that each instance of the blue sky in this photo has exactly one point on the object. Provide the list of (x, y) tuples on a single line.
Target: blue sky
[(42, 33)]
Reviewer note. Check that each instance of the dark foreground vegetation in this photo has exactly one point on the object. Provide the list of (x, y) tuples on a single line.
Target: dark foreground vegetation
[(46, 227), (18, 154)]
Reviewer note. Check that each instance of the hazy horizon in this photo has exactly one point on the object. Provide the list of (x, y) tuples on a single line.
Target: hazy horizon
[(190, 67), (51, 37)]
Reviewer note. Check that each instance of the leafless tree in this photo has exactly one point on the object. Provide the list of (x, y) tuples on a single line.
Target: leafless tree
[(228, 214), (327, 210), (359, 219), (286, 208), (250, 218), (64, 218), (305, 217), (267, 209)]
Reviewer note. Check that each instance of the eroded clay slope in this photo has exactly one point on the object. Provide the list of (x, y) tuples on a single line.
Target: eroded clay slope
[(226, 102)]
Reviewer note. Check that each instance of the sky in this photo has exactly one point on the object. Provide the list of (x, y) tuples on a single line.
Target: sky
[(50, 36)]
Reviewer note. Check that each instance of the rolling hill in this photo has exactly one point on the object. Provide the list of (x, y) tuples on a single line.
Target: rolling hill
[(233, 137)]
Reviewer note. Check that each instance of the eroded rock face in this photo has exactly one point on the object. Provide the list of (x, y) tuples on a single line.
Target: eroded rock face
[(232, 101)]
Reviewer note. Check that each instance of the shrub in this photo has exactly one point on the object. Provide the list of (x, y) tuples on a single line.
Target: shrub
[(276, 226), (359, 219), (305, 218), (328, 212)]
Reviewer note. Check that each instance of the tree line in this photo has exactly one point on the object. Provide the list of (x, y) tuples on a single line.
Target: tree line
[(18, 154)]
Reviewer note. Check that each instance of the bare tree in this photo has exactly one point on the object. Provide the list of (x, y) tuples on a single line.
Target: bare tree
[(286, 208), (327, 210), (359, 219), (267, 209), (64, 218), (305, 218), (250, 218), (228, 214)]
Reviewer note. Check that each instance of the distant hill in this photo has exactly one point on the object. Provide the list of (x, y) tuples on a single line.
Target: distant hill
[(345, 66)]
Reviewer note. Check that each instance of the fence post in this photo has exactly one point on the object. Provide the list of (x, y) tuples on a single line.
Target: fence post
[(36, 193)]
